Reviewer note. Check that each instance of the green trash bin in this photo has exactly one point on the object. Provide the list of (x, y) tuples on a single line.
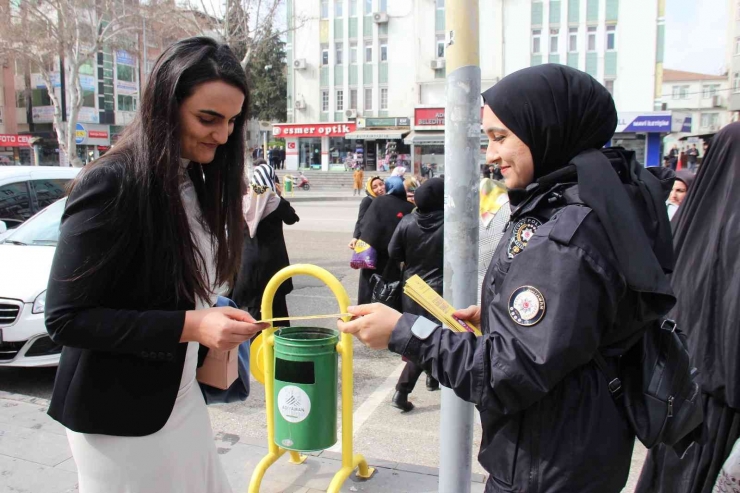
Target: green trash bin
[(305, 391), (288, 184)]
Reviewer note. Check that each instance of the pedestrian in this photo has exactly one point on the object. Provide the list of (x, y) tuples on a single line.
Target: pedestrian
[(358, 178), (149, 233), (566, 284), (418, 244), (378, 225), (264, 252), (673, 157), (411, 184), (684, 179), (375, 187), (282, 157), (692, 156), (682, 160), (494, 216), (265, 175), (707, 311)]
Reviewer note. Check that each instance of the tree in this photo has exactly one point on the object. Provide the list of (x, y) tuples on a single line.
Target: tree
[(267, 79), (48, 34)]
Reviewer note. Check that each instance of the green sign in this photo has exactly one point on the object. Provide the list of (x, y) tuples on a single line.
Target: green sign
[(387, 122)]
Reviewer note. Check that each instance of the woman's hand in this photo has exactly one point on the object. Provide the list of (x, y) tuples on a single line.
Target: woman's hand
[(221, 328), (353, 243), (374, 325), (470, 314)]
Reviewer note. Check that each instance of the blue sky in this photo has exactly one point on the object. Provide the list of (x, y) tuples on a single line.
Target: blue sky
[(696, 35)]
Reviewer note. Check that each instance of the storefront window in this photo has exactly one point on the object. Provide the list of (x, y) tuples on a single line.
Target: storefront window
[(432, 159), (341, 153), (309, 153), (125, 73), (126, 103)]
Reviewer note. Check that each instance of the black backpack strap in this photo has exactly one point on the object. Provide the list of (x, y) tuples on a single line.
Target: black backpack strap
[(615, 384)]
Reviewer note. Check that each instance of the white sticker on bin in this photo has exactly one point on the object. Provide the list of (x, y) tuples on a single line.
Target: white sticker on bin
[(293, 403)]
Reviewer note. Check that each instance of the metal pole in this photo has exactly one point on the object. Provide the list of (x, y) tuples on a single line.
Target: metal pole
[(462, 150)]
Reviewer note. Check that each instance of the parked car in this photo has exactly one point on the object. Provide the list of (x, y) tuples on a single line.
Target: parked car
[(25, 190), (26, 254)]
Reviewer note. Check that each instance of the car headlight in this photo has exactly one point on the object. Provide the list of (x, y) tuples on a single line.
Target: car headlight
[(39, 304)]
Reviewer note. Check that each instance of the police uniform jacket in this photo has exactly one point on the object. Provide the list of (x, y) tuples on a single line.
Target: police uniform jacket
[(552, 297)]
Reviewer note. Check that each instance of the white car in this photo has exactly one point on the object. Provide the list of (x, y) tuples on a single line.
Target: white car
[(26, 254)]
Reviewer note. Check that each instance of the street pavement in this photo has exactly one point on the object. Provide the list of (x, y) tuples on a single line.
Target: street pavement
[(34, 457)]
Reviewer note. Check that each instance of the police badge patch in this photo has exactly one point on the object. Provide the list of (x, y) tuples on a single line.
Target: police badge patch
[(524, 229), (526, 306)]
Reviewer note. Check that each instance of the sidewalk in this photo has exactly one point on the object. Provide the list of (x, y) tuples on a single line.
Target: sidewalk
[(322, 195), (35, 458)]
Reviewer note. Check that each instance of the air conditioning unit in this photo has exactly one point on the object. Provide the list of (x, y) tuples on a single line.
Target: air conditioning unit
[(716, 100), (438, 64), (299, 64), (300, 105), (380, 18), (350, 113)]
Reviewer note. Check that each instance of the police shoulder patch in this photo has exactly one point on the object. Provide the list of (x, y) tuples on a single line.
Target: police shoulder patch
[(526, 306), (523, 230)]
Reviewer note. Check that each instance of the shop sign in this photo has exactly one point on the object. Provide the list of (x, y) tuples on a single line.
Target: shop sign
[(92, 135), (681, 122), (429, 117), (126, 88), (383, 122), (8, 140), (125, 58), (42, 114), (648, 122), (86, 81), (313, 130)]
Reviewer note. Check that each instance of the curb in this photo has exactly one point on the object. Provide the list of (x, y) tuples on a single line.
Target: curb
[(38, 401), (319, 198)]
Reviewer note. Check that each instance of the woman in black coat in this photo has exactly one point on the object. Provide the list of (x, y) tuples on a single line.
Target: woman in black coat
[(375, 187), (377, 228), (418, 243), (264, 252)]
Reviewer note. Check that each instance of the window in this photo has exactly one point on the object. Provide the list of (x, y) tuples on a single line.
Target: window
[(383, 51), (554, 34), (609, 84), (324, 55), (324, 101), (709, 120), (48, 191), (383, 98), (353, 8), (368, 7), (440, 46), (611, 38), (368, 98), (353, 53), (737, 46), (709, 91), (384, 5), (736, 82), (15, 203), (573, 39), (20, 99), (338, 6), (338, 48), (680, 92), (126, 103), (40, 97), (87, 68), (536, 34), (368, 53), (324, 9), (591, 38), (440, 4), (353, 99), (88, 99), (125, 73), (340, 100)]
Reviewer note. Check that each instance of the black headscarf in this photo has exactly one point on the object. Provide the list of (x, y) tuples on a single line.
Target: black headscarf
[(705, 279), (430, 196), (686, 176), (557, 111), (565, 116)]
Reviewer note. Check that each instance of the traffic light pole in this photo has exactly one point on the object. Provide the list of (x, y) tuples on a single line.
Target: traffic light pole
[(462, 150)]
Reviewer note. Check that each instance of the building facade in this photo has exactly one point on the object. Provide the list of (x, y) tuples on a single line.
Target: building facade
[(703, 96), (733, 58), (376, 63)]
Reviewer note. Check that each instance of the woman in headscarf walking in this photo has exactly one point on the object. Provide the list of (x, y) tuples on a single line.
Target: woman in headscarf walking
[(707, 235), (264, 252), (358, 177), (378, 225), (565, 283), (684, 180), (418, 244), (375, 187)]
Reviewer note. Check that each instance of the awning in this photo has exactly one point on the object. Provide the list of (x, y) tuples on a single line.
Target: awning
[(376, 134), (425, 138)]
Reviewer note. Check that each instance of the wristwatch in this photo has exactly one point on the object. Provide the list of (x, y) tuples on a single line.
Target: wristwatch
[(423, 328)]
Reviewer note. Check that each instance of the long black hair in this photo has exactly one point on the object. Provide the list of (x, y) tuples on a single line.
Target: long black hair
[(149, 214)]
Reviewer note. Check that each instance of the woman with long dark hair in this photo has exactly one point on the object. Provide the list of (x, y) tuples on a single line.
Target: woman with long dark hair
[(150, 232)]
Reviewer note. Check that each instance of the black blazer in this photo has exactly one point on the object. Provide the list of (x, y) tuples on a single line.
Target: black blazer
[(122, 361)]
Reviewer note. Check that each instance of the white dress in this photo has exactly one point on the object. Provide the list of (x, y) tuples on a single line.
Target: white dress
[(179, 458)]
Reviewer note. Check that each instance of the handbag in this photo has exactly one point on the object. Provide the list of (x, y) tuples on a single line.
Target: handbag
[(385, 290), (224, 376), (364, 256)]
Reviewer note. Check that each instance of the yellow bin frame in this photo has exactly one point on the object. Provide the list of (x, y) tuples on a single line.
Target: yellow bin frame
[(350, 460)]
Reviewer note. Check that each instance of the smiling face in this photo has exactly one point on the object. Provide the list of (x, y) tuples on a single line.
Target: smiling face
[(507, 151), (207, 119), (378, 187)]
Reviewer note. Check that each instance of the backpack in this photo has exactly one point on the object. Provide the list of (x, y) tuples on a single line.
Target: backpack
[(658, 387)]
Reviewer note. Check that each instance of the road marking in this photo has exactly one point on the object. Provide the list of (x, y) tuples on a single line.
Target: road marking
[(367, 408)]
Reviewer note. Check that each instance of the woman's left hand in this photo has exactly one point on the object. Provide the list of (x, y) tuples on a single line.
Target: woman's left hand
[(374, 325)]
